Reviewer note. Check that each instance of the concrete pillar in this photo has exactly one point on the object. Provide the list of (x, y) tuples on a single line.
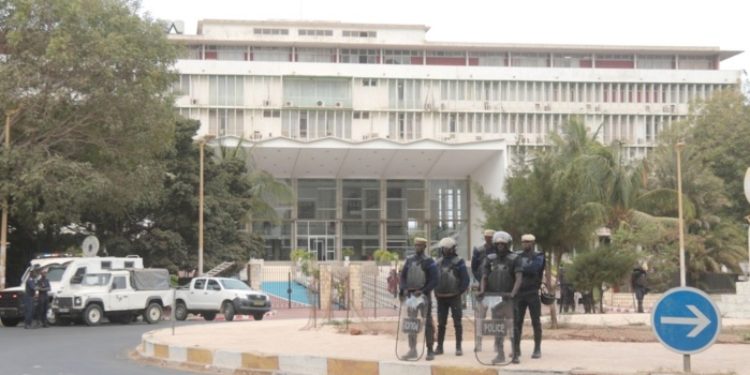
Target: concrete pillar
[(256, 273), (355, 285)]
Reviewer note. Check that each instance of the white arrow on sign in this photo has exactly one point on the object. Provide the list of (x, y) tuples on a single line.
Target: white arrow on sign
[(700, 321)]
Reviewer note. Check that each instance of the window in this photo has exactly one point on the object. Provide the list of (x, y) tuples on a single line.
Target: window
[(106, 265), (269, 31), (359, 34), (445, 58), (226, 121), (199, 284), (129, 264), (360, 56), (488, 58), (655, 62), (326, 55), (614, 61), (271, 113), (369, 82), (400, 57), (405, 125), (119, 282), (213, 285), (361, 115), (226, 90), (78, 276), (271, 54), (696, 62), (314, 32), (571, 60), (529, 59)]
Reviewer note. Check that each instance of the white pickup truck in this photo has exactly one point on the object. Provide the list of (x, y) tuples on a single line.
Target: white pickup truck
[(120, 295), (208, 296)]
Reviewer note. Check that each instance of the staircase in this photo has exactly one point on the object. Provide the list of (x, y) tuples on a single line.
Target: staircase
[(220, 269)]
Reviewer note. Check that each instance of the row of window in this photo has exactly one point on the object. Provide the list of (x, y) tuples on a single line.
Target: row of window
[(424, 94), (406, 126), (445, 57)]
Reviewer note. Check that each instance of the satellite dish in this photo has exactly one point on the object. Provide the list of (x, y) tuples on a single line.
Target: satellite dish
[(747, 184), (90, 246)]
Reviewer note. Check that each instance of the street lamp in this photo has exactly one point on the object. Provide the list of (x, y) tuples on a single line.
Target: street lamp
[(9, 114), (201, 146), (678, 148)]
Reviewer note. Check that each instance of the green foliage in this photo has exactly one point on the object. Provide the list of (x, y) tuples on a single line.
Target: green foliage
[(304, 259), (385, 256), (605, 265)]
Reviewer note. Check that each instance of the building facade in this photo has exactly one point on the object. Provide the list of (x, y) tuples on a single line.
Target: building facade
[(383, 135)]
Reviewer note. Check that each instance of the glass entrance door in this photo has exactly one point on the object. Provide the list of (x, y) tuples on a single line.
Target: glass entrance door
[(323, 248)]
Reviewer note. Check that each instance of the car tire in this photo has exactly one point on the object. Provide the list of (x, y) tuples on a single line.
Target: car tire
[(93, 315), (180, 311), (10, 322), (258, 316), (228, 311), (209, 316), (153, 313)]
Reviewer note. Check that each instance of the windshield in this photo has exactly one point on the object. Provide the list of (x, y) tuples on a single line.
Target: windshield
[(55, 273), (96, 279), (234, 284)]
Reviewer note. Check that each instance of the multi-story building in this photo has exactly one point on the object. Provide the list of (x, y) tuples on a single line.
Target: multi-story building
[(382, 134)]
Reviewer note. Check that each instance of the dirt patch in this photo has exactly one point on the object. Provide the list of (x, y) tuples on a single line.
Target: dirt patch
[(630, 333)]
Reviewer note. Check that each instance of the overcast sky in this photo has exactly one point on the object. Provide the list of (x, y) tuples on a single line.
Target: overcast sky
[(721, 23)]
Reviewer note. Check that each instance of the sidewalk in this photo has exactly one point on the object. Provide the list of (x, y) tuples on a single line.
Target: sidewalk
[(282, 347)]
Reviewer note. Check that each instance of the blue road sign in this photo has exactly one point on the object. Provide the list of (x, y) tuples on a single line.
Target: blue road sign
[(685, 320)]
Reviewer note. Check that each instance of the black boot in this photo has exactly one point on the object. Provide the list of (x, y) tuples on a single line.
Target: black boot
[(537, 349), (459, 339), (430, 354), (440, 339)]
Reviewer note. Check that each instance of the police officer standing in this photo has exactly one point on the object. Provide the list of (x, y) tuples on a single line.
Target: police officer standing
[(531, 264), (477, 259), (453, 280), (418, 278), (43, 287), (501, 277), (28, 300)]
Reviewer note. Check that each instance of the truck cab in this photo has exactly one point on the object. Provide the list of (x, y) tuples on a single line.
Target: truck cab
[(63, 272), (119, 295)]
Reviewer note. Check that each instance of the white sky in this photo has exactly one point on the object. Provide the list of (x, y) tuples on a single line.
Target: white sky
[(721, 23)]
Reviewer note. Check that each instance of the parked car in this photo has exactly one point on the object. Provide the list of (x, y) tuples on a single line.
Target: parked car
[(209, 296), (120, 295)]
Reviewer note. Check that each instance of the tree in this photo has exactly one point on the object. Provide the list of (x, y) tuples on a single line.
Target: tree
[(605, 265), (91, 81)]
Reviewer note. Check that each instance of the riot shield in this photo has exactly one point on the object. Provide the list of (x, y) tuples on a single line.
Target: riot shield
[(493, 346), (410, 337)]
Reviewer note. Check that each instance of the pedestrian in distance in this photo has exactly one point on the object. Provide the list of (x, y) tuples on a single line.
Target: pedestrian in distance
[(531, 263), (42, 288), (29, 296), (419, 278), (453, 280), (639, 285)]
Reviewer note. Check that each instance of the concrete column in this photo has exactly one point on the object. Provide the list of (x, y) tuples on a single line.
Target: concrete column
[(355, 285), (325, 286), (256, 273), (383, 217)]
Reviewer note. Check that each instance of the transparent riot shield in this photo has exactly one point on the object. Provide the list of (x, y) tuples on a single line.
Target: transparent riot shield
[(493, 345), (410, 337)]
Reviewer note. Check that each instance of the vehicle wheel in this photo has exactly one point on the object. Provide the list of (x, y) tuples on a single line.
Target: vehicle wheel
[(180, 311), (153, 313), (228, 311), (93, 315), (258, 316), (51, 317), (10, 322), (209, 316)]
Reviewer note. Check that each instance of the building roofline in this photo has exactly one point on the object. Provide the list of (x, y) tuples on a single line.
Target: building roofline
[(328, 141), (500, 47), (314, 23)]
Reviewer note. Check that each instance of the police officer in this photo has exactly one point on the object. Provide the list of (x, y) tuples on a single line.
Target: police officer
[(28, 300), (43, 288), (418, 278), (477, 259), (453, 280), (500, 277), (531, 264)]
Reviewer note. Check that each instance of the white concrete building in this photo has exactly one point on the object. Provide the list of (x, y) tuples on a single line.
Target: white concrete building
[(381, 133)]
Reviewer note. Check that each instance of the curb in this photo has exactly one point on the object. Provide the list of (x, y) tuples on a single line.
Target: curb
[(223, 361)]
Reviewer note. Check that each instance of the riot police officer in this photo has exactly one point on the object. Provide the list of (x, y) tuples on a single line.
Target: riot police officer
[(531, 263), (418, 278), (453, 280), (500, 277)]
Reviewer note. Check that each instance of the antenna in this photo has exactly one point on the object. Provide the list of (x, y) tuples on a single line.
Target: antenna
[(90, 246)]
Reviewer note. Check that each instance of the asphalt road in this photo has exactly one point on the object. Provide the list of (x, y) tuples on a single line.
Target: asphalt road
[(75, 350)]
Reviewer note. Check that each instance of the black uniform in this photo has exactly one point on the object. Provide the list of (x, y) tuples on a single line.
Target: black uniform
[(28, 302), (43, 287), (638, 283), (501, 272), (531, 264), (477, 259), (420, 274), (453, 280)]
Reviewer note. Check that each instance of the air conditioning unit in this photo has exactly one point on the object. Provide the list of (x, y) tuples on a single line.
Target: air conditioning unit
[(289, 103), (547, 107), (338, 104), (598, 108), (648, 108), (640, 141), (266, 102), (537, 106), (193, 101), (442, 106), (478, 138), (320, 103)]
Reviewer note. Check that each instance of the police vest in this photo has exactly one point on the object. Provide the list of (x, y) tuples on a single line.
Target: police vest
[(415, 275), (500, 278), (448, 283)]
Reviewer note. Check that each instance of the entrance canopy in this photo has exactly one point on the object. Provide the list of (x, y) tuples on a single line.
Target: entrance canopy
[(376, 158)]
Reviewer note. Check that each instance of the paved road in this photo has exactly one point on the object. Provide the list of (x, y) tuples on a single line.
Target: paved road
[(75, 350)]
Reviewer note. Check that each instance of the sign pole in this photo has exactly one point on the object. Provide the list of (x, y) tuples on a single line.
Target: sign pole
[(678, 148)]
